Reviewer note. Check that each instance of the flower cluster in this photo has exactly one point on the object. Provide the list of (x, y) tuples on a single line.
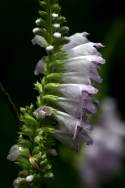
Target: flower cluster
[(70, 87), (66, 96), (103, 159)]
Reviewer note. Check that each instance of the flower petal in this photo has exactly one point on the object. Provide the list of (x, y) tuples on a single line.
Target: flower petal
[(39, 40), (75, 90), (14, 153), (39, 67), (83, 50), (75, 78), (86, 68), (42, 112), (75, 40), (76, 107)]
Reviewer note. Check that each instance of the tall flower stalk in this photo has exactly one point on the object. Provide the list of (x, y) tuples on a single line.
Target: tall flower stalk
[(65, 97)]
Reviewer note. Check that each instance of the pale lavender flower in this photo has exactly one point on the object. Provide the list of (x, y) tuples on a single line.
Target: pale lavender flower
[(73, 93), (14, 152), (39, 66), (42, 112), (83, 50), (76, 107), (76, 39), (85, 66), (79, 71), (81, 135), (75, 77), (75, 129), (103, 159), (76, 90)]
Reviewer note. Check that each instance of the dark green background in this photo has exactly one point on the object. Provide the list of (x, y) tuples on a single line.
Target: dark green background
[(104, 19)]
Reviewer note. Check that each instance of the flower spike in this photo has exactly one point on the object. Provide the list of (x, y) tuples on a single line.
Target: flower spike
[(66, 96)]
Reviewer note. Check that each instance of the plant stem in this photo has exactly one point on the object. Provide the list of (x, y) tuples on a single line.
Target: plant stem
[(10, 101)]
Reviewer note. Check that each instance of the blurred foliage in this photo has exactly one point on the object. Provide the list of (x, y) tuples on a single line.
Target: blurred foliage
[(105, 20)]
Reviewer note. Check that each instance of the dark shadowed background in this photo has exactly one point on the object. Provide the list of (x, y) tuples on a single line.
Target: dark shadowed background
[(104, 19)]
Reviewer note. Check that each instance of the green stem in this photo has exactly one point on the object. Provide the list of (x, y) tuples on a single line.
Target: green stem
[(10, 101), (49, 22)]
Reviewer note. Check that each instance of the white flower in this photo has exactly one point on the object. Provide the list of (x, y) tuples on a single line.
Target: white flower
[(57, 35), (55, 15), (16, 183), (36, 30), (14, 153), (29, 178), (38, 21), (19, 183), (39, 40), (56, 25), (49, 48)]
